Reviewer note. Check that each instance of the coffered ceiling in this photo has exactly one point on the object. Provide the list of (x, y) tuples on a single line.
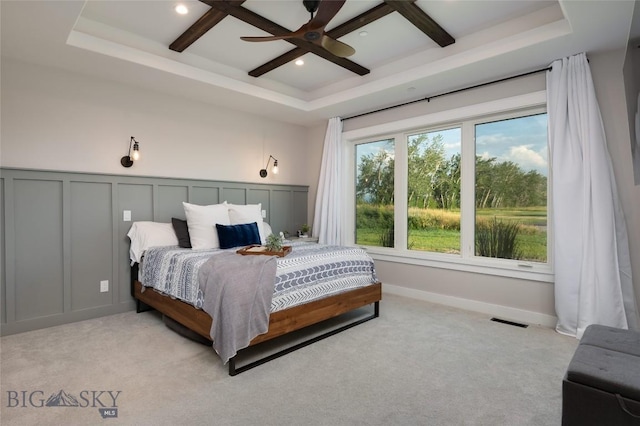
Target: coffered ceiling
[(129, 41)]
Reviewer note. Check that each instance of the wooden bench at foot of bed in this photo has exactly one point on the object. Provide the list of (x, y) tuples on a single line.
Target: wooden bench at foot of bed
[(280, 323)]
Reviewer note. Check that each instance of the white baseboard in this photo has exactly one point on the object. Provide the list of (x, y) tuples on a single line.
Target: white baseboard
[(499, 311)]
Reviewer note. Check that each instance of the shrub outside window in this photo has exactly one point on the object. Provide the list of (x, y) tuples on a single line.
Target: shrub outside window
[(511, 188)]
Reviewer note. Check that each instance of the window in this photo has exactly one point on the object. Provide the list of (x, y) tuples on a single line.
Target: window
[(375, 193), (470, 194), (433, 190), (511, 188)]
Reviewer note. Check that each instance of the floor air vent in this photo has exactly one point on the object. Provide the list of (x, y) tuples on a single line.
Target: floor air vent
[(515, 324)]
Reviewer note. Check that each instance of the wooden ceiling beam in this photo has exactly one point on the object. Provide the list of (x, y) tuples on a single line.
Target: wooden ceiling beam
[(271, 27), (365, 18), (351, 25), (422, 21), (223, 8), (207, 21)]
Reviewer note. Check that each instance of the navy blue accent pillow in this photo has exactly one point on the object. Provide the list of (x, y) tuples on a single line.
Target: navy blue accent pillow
[(182, 232), (238, 235)]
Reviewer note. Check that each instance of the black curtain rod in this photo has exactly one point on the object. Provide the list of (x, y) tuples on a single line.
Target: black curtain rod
[(428, 98)]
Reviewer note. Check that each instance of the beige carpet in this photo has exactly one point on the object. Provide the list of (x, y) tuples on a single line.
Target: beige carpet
[(418, 364)]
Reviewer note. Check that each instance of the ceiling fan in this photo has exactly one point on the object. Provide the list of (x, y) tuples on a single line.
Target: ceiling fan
[(313, 31)]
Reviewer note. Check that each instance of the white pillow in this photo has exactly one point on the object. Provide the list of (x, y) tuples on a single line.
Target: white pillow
[(239, 214), (266, 228), (201, 221), (149, 234)]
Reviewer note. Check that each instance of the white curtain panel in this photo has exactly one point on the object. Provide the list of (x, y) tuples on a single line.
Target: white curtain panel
[(326, 220), (593, 283)]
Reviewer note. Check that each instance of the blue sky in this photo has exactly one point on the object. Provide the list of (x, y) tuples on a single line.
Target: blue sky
[(522, 140)]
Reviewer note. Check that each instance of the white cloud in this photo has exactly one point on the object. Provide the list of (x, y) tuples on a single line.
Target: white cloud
[(527, 158)]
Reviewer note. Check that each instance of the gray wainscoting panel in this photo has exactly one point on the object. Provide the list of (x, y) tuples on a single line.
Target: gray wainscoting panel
[(64, 232), (138, 199), (280, 216), (3, 280), (235, 195), (91, 244), (204, 196), (260, 196), (39, 265), (170, 200), (299, 206)]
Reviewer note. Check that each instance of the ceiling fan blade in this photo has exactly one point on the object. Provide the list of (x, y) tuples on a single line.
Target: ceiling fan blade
[(338, 48), (326, 11), (297, 33), (268, 38)]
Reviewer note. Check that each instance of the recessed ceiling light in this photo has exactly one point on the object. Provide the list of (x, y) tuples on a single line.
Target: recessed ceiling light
[(363, 33), (182, 9), (299, 62)]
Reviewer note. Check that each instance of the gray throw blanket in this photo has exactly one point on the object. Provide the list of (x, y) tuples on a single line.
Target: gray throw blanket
[(237, 295)]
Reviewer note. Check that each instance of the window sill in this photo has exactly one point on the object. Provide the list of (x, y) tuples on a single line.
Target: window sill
[(521, 270)]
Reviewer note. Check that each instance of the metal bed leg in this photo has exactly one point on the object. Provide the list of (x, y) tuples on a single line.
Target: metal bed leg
[(233, 371), (142, 307), (232, 366)]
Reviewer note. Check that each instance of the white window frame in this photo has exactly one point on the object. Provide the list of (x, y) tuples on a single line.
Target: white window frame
[(466, 117)]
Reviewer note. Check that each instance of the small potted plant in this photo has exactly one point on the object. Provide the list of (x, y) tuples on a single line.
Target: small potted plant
[(304, 230), (274, 242)]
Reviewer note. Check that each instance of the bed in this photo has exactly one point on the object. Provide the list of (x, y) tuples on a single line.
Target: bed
[(311, 285)]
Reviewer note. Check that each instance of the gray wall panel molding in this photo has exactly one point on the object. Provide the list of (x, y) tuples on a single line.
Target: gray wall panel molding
[(64, 232), (39, 248), (234, 195), (66, 245), (9, 272), (91, 244), (115, 246), (3, 292), (168, 200), (105, 177)]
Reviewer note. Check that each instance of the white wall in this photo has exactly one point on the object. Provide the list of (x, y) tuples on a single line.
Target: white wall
[(56, 120), (607, 71), (631, 74)]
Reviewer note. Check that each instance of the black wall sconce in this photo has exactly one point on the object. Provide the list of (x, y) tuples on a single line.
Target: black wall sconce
[(127, 160), (263, 172)]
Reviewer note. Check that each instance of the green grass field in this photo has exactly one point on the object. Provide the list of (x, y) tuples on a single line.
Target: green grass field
[(440, 232), (534, 216)]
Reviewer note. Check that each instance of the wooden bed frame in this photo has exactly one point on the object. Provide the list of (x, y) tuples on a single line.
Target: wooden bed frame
[(280, 323)]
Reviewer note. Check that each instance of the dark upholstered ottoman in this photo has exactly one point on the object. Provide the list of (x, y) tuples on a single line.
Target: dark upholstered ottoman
[(602, 384)]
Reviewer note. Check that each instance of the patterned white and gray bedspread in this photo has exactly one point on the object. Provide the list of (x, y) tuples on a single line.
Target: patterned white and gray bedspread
[(311, 271)]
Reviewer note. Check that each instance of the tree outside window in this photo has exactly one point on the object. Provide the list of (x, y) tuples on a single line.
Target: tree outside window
[(375, 163)]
